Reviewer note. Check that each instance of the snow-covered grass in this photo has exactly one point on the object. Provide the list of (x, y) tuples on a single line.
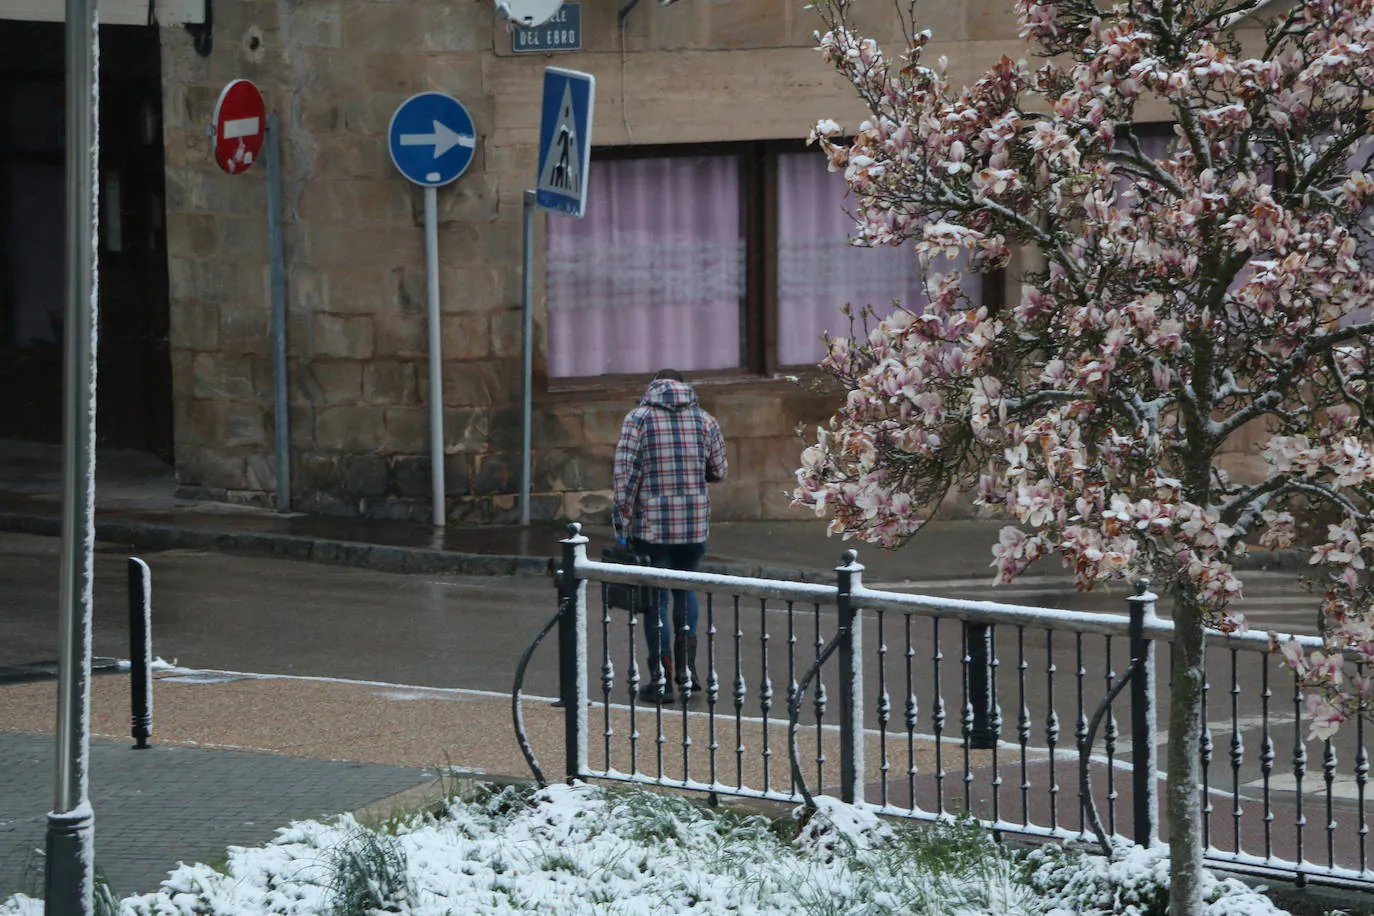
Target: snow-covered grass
[(584, 849)]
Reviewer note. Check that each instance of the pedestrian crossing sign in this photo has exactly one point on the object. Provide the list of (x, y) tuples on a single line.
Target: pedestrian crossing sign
[(565, 140)]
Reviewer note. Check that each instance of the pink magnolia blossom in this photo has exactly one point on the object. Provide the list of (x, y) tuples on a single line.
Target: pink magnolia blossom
[(1181, 290)]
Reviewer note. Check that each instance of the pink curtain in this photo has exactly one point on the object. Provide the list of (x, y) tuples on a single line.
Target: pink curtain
[(653, 275), (819, 270)]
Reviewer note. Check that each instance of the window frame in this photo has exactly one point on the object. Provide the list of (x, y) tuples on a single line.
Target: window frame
[(759, 227)]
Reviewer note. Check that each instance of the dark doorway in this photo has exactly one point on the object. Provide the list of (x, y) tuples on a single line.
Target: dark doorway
[(134, 397)]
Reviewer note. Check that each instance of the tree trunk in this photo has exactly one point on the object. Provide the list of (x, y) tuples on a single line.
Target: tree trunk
[(1183, 807)]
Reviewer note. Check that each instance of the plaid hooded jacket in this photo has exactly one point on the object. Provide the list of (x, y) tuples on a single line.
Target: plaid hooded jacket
[(669, 449)]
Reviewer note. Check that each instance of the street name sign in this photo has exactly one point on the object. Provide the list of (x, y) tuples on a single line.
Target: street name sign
[(565, 140), (238, 126), (561, 33), (432, 139)]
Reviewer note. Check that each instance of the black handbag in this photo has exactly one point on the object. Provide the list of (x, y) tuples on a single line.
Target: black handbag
[(637, 598)]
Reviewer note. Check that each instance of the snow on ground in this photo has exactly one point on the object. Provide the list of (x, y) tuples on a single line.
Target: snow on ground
[(580, 849)]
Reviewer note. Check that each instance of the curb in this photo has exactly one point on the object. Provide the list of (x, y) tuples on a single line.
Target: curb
[(356, 554), (389, 558)]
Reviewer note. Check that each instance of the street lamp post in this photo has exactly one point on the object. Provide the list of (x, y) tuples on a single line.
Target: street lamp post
[(70, 882)]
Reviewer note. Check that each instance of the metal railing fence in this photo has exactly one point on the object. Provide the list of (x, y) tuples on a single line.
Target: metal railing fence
[(1031, 721)]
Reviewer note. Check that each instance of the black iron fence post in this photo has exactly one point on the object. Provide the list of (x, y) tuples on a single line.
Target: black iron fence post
[(141, 651), (1144, 753), (983, 732), (572, 652), (851, 648)]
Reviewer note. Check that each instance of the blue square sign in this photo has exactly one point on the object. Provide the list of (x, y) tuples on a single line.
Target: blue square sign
[(565, 140)]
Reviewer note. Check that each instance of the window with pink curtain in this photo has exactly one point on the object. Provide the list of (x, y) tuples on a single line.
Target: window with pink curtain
[(819, 270), (654, 274)]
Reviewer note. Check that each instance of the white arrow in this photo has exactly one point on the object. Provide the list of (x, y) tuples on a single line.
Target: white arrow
[(443, 139)]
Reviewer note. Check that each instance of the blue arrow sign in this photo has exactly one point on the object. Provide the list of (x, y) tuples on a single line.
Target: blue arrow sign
[(432, 138), (565, 140)]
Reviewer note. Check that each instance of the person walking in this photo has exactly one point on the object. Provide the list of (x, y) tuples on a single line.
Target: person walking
[(669, 450)]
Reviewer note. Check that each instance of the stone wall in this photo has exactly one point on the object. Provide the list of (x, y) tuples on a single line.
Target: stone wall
[(334, 71)]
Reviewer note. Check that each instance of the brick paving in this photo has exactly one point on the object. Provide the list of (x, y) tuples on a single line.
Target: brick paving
[(168, 803)]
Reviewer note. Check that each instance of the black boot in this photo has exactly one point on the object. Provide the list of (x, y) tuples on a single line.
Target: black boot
[(660, 672)]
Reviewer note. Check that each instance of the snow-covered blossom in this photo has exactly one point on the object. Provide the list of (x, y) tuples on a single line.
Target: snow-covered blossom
[(1186, 292)]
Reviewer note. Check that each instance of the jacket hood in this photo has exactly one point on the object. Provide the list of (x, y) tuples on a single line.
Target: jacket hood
[(669, 394)]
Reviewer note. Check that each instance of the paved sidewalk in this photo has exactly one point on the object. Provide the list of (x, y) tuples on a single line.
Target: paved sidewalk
[(168, 803)]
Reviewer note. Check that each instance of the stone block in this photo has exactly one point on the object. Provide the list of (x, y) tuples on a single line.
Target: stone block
[(407, 429), (361, 290), (232, 377), (331, 382), (394, 71), (752, 416), (459, 27), (770, 459), (355, 200), (466, 336), (193, 325), (314, 471), (589, 507), (747, 24), (350, 429), (345, 156), (467, 289), (735, 501), (465, 429), (260, 472), (400, 336), (601, 422), (390, 382), (242, 237), (498, 472), (244, 424), (776, 503), (210, 467), (345, 336), (245, 331), (458, 475), (197, 421), (318, 25), (507, 330), (302, 426), (408, 476), (197, 234), (559, 470), (363, 475), (459, 75), (480, 383), (550, 430)]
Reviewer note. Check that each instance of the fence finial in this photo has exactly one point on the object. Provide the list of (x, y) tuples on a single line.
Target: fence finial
[(851, 556), (1142, 585), (574, 529)]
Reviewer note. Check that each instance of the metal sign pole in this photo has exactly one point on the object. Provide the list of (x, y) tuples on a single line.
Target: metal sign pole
[(526, 355), (436, 357), (70, 882), (277, 257)]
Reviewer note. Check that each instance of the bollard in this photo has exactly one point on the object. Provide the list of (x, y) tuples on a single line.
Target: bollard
[(141, 651), (851, 643), (1144, 754)]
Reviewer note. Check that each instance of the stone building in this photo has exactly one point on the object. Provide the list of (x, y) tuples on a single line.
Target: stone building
[(714, 242)]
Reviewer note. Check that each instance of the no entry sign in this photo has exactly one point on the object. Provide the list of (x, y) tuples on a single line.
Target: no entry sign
[(239, 125)]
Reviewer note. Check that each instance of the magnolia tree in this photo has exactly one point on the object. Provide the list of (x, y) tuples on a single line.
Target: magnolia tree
[(1165, 295)]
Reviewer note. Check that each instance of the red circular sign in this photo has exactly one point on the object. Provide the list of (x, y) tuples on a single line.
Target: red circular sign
[(240, 123)]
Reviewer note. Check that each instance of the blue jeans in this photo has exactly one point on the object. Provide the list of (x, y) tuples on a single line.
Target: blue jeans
[(686, 610)]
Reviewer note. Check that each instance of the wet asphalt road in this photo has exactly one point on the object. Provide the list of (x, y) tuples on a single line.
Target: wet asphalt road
[(282, 617)]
